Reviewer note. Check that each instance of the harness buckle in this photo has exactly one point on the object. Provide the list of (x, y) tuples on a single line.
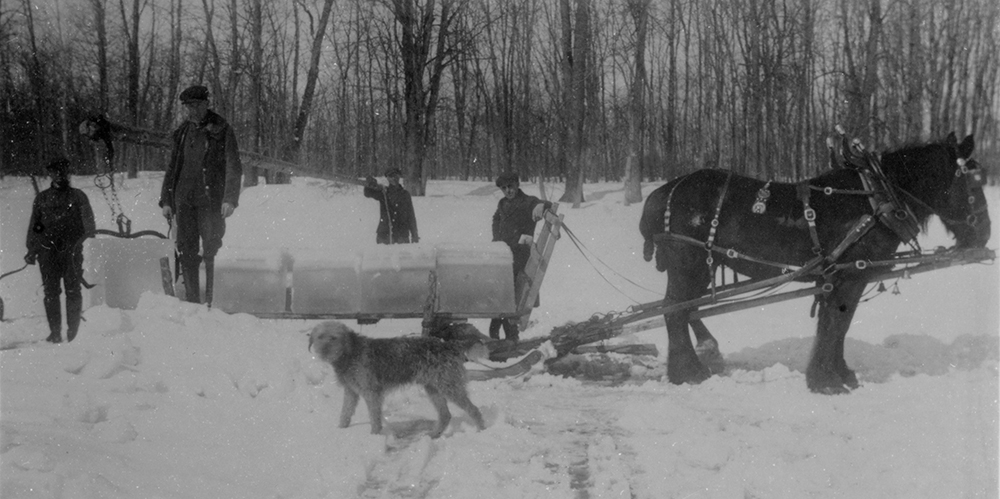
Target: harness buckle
[(809, 214)]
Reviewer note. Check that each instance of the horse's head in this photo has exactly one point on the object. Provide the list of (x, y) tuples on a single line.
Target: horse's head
[(942, 179), (964, 212)]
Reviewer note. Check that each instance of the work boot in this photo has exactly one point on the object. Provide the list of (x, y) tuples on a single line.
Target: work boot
[(53, 312), (74, 307), (192, 286), (510, 330)]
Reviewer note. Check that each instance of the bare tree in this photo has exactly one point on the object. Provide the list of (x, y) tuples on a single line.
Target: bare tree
[(426, 48), (639, 12), (312, 76), (577, 55), (861, 59)]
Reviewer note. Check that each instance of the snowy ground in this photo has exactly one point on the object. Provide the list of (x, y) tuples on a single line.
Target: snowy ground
[(173, 400)]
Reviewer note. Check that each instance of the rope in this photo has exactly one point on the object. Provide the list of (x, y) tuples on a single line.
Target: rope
[(14, 271), (580, 247)]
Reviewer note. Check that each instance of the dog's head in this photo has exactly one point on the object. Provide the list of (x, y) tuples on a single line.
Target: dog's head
[(331, 340)]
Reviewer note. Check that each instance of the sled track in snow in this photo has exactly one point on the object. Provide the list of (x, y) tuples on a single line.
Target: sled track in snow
[(588, 454)]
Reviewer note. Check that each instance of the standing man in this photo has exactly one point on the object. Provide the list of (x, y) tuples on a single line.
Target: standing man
[(60, 217), (514, 223), (201, 188), (397, 222)]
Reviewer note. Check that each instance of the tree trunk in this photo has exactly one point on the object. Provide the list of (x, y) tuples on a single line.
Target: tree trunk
[(639, 10), (132, 75), (417, 37), (576, 68), (861, 75), (307, 96), (100, 23), (36, 79)]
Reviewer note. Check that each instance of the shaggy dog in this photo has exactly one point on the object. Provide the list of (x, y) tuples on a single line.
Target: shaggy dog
[(368, 368)]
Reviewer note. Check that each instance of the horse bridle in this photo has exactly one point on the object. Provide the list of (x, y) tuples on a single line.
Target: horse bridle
[(969, 171)]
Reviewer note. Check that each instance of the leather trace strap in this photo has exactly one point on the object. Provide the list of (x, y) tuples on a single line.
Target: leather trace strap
[(804, 191)]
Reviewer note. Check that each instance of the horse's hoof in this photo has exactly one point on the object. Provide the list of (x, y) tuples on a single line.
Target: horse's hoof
[(709, 355), (831, 390), (850, 380), (690, 378)]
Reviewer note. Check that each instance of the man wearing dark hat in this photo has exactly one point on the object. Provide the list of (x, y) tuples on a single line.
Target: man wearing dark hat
[(201, 188), (514, 223), (60, 217), (397, 222)]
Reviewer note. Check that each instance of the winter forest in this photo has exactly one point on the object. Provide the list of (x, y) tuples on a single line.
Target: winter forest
[(566, 91)]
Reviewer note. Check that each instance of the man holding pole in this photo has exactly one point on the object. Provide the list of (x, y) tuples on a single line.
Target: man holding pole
[(201, 188)]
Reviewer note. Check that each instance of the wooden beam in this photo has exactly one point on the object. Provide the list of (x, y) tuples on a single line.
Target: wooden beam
[(538, 264), (98, 128)]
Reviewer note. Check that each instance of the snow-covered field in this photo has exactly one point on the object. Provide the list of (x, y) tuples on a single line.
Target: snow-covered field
[(174, 400)]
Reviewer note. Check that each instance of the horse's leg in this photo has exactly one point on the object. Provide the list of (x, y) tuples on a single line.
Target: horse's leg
[(846, 373), (683, 365), (707, 348), (828, 372)]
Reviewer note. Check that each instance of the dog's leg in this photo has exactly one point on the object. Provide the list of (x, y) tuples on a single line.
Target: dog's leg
[(441, 404), (347, 410), (460, 397), (374, 401)]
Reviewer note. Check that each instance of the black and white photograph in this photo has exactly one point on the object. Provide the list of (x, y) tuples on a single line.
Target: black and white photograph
[(672, 249)]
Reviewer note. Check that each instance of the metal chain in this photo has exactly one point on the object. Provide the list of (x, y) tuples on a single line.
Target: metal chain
[(106, 183)]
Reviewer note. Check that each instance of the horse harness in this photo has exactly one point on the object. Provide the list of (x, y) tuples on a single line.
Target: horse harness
[(887, 207)]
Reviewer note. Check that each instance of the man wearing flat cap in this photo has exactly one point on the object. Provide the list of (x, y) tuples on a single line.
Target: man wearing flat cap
[(514, 223), (201, 188), (397, 222)]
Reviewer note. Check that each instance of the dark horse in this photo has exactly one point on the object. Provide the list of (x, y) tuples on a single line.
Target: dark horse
[(765, 231)]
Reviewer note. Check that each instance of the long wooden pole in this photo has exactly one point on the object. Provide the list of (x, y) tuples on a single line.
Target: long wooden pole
[(101, 129)]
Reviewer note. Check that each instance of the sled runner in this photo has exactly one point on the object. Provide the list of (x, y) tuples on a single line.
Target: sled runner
[(516, 369)]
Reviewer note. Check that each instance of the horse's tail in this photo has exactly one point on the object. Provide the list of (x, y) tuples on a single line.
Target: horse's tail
[(651, 222)]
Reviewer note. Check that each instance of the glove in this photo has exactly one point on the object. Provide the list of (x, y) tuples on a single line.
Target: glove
[(536, 214), (167, 211), (30, 258), (415, 239)]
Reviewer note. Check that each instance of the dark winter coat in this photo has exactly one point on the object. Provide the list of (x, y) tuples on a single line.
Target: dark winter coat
[(221, 168), (513, 220), (396, 216), (60, 217)]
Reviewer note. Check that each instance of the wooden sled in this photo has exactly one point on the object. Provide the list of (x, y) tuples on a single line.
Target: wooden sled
[(516, 369)]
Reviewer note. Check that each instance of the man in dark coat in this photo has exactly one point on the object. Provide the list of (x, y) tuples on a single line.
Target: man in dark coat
[(60, 217), (397, 222), (201, 187), (514, 223)]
